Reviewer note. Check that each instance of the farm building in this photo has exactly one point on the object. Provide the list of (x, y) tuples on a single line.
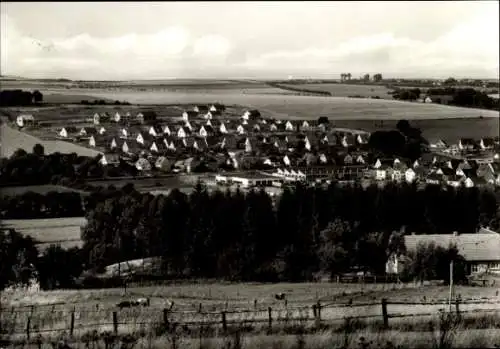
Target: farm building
[(101, 118), (217, 107), (201, 108), (247, 179), (481, 251), (146, 116), (251, 115), (25, 120)]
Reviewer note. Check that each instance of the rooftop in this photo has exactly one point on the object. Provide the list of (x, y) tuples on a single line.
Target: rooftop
[(473, 247)]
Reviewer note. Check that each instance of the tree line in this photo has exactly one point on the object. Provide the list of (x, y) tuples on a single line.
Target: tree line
[(250, 237), (9, 98), (56, 168), (31, 205), (460, 97)]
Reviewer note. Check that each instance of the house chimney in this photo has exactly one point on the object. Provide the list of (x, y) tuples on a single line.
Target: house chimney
[(455, 233)]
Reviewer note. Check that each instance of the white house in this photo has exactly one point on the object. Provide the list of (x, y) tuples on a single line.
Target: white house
[(348, 160), (323, 159), (360, 159), (209, 123), (222, 128), (289, 126), (203, 132), (166, 130), (410, 175), (24, 119), (248, 146), (305, 125), (195, 145), (125, 148), (360, 139), (273, 127), (187, 125), (181, 133), (124, 133), (244, 122), (117, 117), (240, 130), (380, 174), (63, 133), (468, 183), (486, 143), (154, 147), (96, 118), (139, 139), (152, 131), (286, 160), (307, 144), (113, 144), (92, 141), (102, 131), (256, 128)]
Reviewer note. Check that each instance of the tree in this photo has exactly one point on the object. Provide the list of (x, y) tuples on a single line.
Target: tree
[(366, 77), (37, 96), (38, 149), (18, 254), (377, 77), (450, 81), (323, 120)]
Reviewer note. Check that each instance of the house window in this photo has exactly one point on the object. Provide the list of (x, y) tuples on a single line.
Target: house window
[(475, 268)]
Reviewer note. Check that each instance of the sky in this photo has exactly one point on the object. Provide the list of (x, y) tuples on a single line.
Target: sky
[(255, 40)]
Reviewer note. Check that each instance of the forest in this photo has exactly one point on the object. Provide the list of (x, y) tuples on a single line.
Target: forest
[(308, 231)]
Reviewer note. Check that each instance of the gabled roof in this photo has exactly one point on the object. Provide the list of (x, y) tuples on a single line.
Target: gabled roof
[(473, 247)]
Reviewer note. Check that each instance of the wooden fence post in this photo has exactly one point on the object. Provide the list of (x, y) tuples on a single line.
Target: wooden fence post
[(314, 310), (28, 327), (165, 317), (224, 323), (318, 313), (199, 308), (72, 323), (115, 322), (270, 318), (384, 313), (457, 306)]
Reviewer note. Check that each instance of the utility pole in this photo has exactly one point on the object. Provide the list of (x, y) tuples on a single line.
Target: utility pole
[(451, 284)]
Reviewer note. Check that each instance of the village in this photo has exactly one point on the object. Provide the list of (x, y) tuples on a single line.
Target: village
[(252, 150)]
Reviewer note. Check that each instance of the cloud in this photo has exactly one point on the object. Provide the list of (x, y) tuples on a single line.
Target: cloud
[(472, 47), (168, 50)]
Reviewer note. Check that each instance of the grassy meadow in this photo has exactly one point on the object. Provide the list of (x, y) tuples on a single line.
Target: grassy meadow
[(246, 307), (63, 231), (347, 90)]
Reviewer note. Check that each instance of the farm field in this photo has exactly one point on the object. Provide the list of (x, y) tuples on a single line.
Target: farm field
[(39, 189), (346, 90), (12, 139), (242, 304), (63, 231), (307, 107)]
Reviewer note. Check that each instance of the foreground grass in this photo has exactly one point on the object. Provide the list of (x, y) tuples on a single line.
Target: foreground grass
[(489, 338)]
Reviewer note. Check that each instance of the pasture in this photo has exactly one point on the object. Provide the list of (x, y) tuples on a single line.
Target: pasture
[(309, 107), (39, 189), (248, 306), (61, 231), (13, 139), (347, 90)]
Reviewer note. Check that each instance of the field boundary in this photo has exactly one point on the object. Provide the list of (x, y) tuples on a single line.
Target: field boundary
[(318, 313)]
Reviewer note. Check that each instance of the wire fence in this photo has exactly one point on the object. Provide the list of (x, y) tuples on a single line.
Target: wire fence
[(74, 319)]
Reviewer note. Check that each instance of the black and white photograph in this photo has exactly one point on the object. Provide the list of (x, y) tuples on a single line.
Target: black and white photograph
[(250, 175)]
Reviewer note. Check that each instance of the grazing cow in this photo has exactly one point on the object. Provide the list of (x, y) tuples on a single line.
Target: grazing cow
[(280, 296), (125, 304), (143, 301)]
